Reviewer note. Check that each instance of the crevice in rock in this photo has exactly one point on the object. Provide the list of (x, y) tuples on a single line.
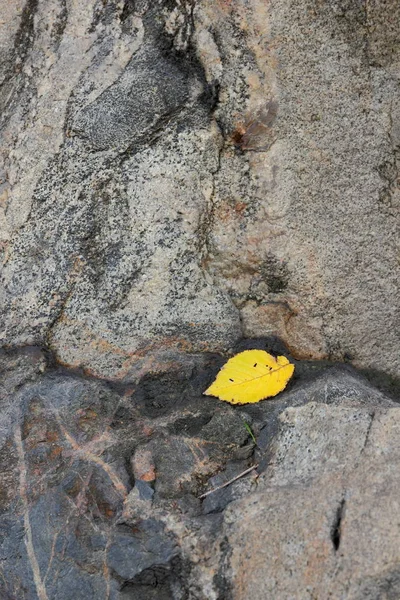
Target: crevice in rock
[(221, 583), (151, 136), (390, 175), (58, 316), (367, 435), (336, 529), (24, 37), (385, 382), (127, 10), (207, 218), (159, 581), (60, 23), (13, 80)]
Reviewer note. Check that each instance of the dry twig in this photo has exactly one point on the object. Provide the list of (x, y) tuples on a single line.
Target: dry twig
[(229, 482)]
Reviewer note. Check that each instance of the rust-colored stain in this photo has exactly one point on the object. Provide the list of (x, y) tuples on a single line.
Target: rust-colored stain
[(149, 476), (86, 418), (240, 207), (229, 210), (225, 4), (56, 451), (129, 392), (52, 435), (255, 132), (143, 465)]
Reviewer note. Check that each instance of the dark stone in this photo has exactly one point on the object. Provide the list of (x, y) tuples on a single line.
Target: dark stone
[(67, 442), (276, 274), (127, 112), (145, 490), (218, 500), (135, 550)]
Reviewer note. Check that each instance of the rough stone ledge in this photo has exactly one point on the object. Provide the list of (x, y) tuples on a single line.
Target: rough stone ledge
[(100, 486)]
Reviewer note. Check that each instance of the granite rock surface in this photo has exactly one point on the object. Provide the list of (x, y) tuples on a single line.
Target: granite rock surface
[(177, 178), (175, 175), (324, 522)]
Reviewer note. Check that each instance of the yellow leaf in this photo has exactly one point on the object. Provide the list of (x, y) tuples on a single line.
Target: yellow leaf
[(251, 376)]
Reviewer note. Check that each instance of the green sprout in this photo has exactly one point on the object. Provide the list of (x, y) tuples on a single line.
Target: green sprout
[(251, 434)]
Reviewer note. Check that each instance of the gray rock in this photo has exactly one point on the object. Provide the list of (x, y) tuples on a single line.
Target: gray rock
[(100, 489), (182, 463), (219, 500), (130, 554), (175, 176), (17, 368), (323, 523), (305, 225)]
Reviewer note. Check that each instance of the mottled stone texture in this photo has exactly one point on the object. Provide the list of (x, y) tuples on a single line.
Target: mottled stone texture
[(176, 178), (101, 488), (177, 174), (325, 521)]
